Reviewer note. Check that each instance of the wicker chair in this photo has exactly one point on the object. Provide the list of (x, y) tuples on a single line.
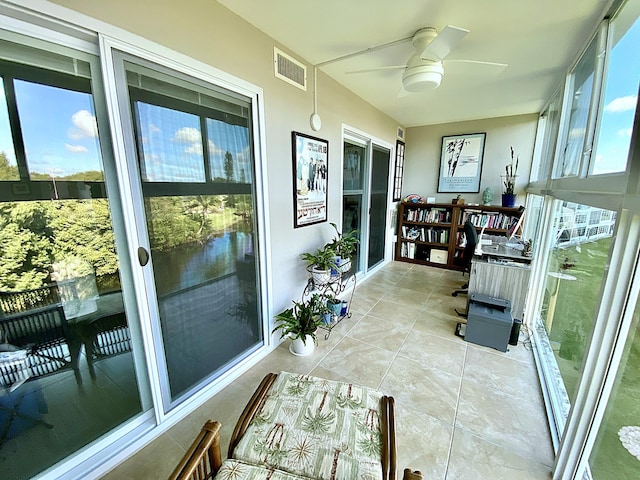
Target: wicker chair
[(203, 459)]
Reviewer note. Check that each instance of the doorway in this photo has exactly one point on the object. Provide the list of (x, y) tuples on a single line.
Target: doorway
[(365, 191)]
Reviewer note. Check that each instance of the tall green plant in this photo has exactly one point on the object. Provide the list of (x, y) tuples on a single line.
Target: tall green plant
[(344, 244), (323, 259), (302, 320)]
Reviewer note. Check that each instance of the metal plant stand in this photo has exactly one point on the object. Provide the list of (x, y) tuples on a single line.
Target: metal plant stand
[(336, 284)]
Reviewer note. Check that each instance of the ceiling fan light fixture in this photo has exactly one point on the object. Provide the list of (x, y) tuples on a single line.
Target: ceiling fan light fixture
[(423, 77)]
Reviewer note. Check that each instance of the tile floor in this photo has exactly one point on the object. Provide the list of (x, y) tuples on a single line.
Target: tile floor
[(462, 411)]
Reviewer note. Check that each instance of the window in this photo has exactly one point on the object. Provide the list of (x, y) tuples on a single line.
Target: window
[(59, 131), (580, 92), (620, 96), (548, 124), (577, 261), (196, 164), (616, 453), (59, 266)]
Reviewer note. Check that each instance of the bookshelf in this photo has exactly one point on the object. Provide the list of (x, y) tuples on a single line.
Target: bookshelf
[(433, 233)]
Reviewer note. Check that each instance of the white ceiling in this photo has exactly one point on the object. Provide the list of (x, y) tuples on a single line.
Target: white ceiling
[(538, 39)]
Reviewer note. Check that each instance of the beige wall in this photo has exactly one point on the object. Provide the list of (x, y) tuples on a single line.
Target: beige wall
[(422, 156), (208, 32)]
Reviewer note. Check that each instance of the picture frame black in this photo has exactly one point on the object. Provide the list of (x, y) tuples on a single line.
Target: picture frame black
[(310, 156), (461, 163)]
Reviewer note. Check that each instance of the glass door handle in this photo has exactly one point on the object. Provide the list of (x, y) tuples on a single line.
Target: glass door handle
[(143, 256)]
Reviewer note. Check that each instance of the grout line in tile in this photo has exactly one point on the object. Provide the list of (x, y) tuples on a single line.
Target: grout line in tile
[(455, 417), (395, 356)]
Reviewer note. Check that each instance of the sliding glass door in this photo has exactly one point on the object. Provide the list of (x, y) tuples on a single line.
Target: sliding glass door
[(378, 200), (65, 292), (355, 156), (193, 146), (365, 183)]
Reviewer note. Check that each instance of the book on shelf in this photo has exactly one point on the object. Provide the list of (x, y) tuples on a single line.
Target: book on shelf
[(429, 215), (494, 220), (408, 250)]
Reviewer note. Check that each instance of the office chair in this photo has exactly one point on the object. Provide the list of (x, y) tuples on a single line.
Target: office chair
[(471, 236)]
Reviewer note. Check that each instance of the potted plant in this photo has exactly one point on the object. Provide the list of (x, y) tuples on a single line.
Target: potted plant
[(509, 181), (300, 324), (320, 264), (344, 246), (334, 305)]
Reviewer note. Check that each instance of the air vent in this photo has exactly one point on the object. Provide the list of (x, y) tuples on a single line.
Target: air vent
[(289, 69), (400, 133)]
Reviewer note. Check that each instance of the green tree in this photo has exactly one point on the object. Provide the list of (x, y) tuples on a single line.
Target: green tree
[(83, 228), (228, 171), (228, 166), (25, 245), (7, 171)]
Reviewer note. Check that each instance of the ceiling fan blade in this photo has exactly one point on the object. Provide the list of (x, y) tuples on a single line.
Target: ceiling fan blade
[(473, 67), (377, 69), (441, 46), (478, 62)]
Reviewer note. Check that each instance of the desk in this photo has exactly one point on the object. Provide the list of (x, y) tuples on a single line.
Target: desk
[(501, 272)]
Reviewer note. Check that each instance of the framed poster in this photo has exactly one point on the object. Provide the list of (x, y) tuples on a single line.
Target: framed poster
[(310, 174), (461, 163)]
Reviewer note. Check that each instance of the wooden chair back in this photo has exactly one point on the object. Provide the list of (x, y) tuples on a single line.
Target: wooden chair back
[(203, 459)]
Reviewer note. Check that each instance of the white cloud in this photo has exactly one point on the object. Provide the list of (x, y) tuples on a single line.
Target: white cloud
[(187, 135), (190, 136), (86, 126), (195, 148), (214, 150), (622, 104), (625, 132), (76, 148), (153, 128)]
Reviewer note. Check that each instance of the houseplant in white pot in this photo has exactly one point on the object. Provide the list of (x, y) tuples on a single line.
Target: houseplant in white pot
[(300, 324), (344, 245), (320, 264)]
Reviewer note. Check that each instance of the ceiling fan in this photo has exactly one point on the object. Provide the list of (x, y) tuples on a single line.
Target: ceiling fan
[(424, 69)]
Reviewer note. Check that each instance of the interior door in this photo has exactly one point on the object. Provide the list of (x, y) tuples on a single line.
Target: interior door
[(378, 204)]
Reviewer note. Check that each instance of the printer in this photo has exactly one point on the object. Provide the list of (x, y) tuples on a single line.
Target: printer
[(489, 321)]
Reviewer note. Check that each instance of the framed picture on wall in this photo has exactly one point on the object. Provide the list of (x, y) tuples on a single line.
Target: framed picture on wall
[(310, 174), (461, 163), (397, 174)]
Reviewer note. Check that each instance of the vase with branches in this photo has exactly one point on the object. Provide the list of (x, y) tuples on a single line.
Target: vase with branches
[(509, 180), (511, 172)]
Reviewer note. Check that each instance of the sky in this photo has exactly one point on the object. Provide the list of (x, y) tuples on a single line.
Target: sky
[(58, 127), (60, 132), (61, 137), (620, 101), (172, 146)]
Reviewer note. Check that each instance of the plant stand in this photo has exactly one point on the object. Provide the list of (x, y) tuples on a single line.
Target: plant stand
[(334, 287)]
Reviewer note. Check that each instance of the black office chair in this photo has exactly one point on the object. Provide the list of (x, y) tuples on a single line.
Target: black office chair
[(471, 236)]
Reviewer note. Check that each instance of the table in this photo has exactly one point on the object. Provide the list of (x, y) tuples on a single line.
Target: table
[(502, 272), (107, 317)]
